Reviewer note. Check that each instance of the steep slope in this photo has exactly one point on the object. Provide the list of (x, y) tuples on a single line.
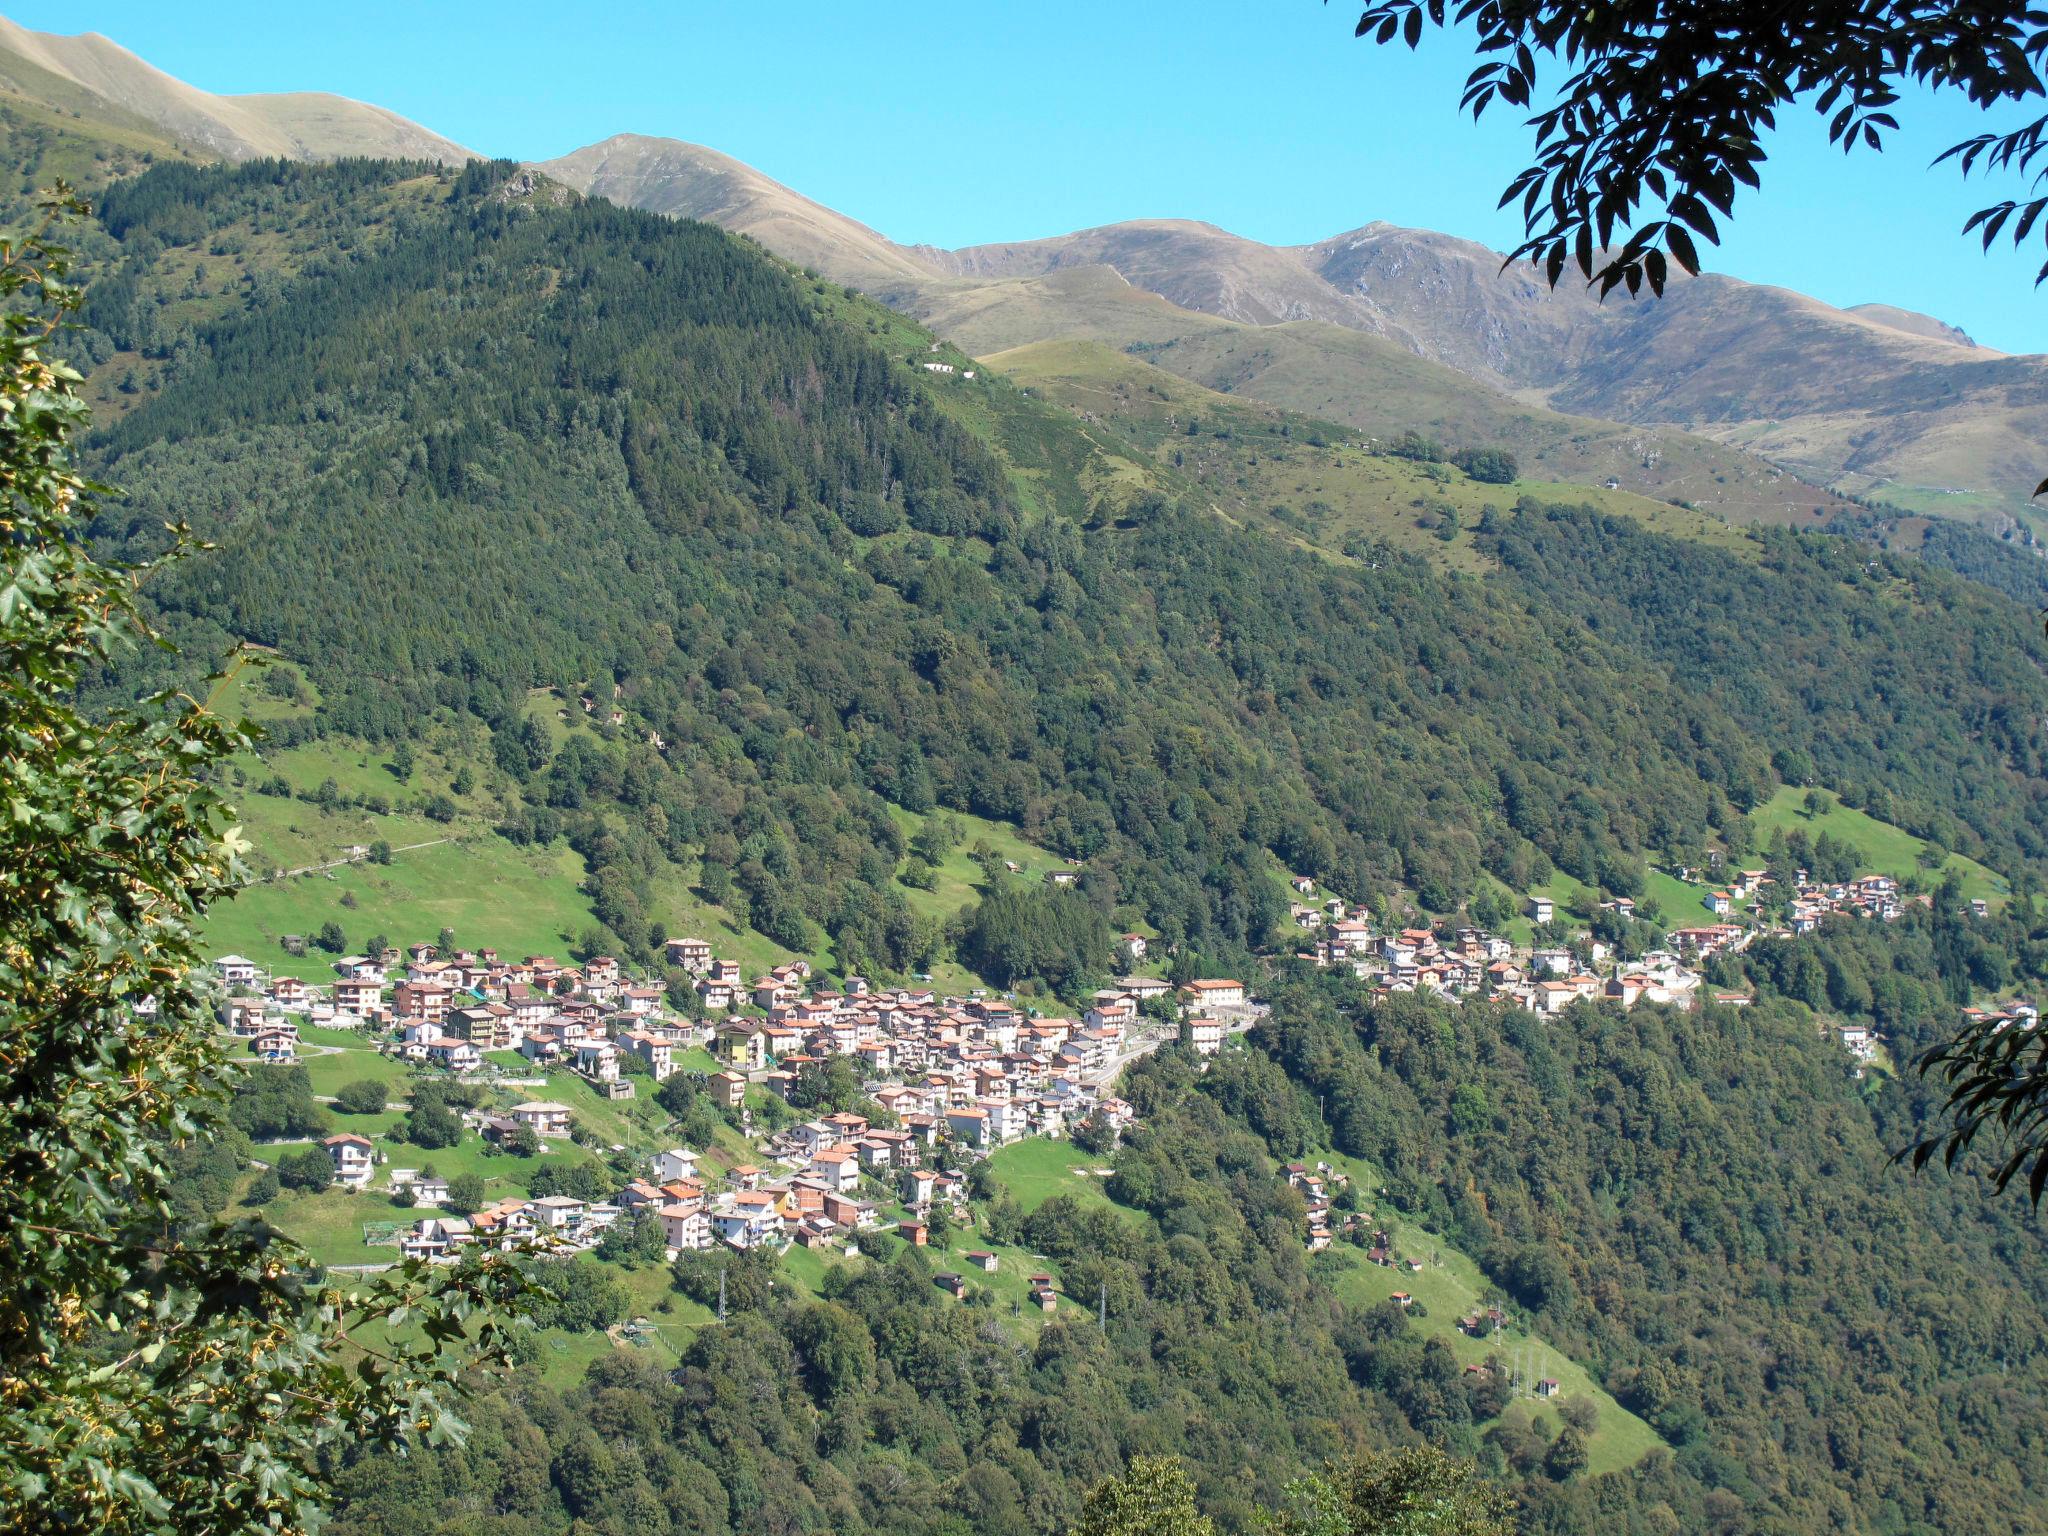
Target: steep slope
[(1380, 387), (1205, 300), (511, 441), (1912, 323), (688, 181), (704, 461), (1193, 265), (90, 74), (1872, 401), (1295, 476)]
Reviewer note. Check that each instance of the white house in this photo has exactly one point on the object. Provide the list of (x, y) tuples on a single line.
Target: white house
[(659, 1054), (837, 1168), (598, 1060), (1206, 996), (675, 1163), (353, 1157), (455, 1055), (685, 1225), (746, 1220), (547, 1118), (968, 1125), (693, 955)]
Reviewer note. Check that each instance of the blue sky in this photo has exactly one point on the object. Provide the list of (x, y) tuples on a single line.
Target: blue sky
[(962, 123)]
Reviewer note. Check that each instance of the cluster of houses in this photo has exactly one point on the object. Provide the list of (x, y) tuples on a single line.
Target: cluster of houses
[(1548, 980), (1472, 961), (1316, 1184), (824, 1184), (1874, 896), (960, 1076), (560, 1225)]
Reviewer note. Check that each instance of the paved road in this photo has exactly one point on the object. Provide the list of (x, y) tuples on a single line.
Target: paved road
[(1155, 1037)]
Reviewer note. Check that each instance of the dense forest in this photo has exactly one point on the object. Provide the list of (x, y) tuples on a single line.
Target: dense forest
[(1701, 1204), (1912, 686)]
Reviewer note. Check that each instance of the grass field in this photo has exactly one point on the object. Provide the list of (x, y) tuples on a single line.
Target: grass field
[(1036, 1170), (959, 878), (520, 901), (460, 874), (1448, 1287), (457, 874), (1885, 849)]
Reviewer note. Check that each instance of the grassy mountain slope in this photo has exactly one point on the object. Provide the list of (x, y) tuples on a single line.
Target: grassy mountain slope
[(91, 75), (1297, 477), (1870, 401), (688, 181), (1370, 384)]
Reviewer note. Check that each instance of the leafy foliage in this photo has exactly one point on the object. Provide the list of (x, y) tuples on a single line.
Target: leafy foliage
[(157, 1374), (1405, 1493), (1153, 1496), (1666, 107)]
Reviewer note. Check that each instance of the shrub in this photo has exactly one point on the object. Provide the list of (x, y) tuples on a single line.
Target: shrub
[(363, 1097), (307, 1170), (1489, 466)]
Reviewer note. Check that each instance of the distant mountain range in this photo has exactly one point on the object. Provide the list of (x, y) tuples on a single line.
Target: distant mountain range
[(1875, 401), (1708, 396)]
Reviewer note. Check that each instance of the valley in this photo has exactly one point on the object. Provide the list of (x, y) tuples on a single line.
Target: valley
[(963, 868)]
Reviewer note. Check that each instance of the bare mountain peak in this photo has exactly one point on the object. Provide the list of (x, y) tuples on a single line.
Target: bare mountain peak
[(1913, 323), (690, 181), (294, 125)]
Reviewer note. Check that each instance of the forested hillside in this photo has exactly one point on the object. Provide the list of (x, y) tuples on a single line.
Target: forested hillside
[(458, 436), (1700, 1203), (497, 440)]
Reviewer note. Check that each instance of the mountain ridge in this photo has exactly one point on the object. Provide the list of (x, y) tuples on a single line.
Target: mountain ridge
[(294, 125), (1875, 402), (1870, 401)]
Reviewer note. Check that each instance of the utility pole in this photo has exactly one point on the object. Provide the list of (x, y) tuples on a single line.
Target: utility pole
[(1102, 1305), (721, 1294)]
